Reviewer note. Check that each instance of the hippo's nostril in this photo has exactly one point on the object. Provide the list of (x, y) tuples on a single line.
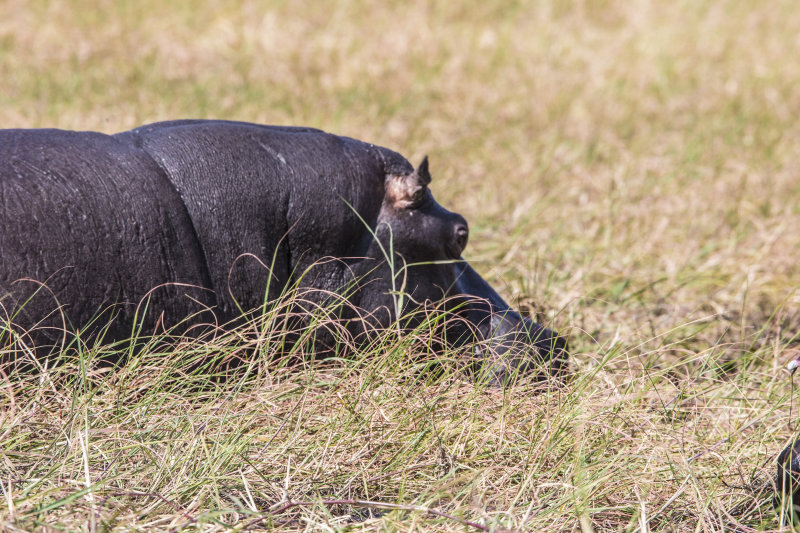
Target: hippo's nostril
[(454, 246), (462, 235), (461, 230)]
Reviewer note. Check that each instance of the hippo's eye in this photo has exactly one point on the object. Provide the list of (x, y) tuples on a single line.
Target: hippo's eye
[(419, 197)]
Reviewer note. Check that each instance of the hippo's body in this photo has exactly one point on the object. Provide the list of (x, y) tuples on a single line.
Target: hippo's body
[(212, 218)]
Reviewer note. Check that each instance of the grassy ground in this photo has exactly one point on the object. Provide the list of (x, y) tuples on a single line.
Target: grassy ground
[(629, 170)]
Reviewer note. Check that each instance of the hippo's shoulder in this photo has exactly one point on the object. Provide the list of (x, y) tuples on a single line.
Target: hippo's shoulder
[(390, 161)]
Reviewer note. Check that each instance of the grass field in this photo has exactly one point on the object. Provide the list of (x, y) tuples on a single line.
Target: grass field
[(629, 171)]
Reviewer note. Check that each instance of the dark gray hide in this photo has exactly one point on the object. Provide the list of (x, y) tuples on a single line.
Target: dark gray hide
[(196, 214), (787, 482)]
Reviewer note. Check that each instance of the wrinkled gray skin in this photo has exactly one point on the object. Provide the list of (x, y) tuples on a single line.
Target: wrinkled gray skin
[(195, 215)]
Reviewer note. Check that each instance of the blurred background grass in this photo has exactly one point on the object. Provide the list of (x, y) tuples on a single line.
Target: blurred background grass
[(628, 168)]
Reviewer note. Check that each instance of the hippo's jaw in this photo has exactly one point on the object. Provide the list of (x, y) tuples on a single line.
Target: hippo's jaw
[(508, 344), (517, 346)]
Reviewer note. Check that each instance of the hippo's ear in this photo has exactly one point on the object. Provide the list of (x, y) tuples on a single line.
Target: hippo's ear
[(404, 191), (422, 175)]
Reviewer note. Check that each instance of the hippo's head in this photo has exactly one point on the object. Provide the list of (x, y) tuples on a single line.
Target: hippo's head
[(418, 246)]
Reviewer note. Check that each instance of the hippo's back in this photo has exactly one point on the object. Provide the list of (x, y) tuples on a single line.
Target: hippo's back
[(87, 222)]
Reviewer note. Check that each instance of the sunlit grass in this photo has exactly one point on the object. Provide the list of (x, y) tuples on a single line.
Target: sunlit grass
[(629, 173)]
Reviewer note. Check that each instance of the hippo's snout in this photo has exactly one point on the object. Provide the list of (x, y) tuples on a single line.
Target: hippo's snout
[(510, 344), (519, 346)]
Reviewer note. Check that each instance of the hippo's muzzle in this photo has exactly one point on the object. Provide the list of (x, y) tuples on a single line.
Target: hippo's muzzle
[(517, 345), (509, 344)]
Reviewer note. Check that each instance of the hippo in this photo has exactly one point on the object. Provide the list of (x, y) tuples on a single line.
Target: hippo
[(787, 481), (204, 221)]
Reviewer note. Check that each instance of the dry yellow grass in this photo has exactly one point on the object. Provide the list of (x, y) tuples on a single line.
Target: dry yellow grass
[(629, 172)]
